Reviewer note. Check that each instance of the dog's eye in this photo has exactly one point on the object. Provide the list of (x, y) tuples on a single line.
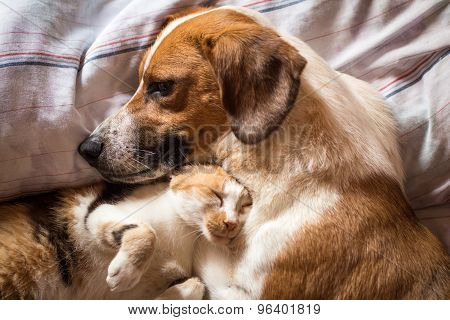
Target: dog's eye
[(160, 89)]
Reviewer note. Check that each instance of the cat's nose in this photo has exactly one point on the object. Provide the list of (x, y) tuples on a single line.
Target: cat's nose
[(230, 225)]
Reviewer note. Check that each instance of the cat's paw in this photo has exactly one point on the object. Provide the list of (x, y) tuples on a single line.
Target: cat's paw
[(122, 273), (191, 289)]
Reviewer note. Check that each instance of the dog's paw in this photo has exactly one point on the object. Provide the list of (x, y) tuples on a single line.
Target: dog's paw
[(122, 273)]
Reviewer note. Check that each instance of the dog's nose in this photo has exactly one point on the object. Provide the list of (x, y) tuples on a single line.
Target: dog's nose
[(91, 148)]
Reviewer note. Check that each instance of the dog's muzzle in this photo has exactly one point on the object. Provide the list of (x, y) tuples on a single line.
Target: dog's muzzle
[(134, 161)]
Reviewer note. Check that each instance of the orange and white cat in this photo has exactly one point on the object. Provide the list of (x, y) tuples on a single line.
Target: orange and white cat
[(64, 245)]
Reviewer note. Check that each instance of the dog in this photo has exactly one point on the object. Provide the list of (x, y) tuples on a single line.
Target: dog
[(316, 148)]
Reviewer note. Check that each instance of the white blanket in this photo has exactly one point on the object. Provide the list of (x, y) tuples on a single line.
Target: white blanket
[(65, 65)]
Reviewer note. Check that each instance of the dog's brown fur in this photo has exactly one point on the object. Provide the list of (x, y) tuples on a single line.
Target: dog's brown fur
[(370, 251), (235, 74), (250, 98), (368, 244)]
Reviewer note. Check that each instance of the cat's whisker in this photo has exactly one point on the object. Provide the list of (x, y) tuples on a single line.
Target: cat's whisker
[(198, 237), (187, 235)]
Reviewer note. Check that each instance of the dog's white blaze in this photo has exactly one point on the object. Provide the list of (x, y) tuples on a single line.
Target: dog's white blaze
[(175, 23), (167, 30)]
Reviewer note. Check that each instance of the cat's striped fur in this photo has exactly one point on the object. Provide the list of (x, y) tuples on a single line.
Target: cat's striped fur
[(64, 244)]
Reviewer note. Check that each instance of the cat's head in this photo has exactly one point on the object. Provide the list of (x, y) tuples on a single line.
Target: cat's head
[(212, 201)]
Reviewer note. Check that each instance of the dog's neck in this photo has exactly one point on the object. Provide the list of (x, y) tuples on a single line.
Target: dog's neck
[(304, 146), (318, 144), (329, 140)]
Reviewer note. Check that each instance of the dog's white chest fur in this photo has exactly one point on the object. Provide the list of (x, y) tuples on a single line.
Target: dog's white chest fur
[(241, 274)]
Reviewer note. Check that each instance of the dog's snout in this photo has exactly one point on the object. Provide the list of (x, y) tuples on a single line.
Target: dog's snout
[(91, 148)]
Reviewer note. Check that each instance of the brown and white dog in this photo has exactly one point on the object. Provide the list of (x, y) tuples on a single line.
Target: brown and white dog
[(316, 148)]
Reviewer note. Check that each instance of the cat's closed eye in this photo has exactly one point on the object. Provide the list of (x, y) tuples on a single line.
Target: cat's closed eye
[(245, 201), (219, 197)]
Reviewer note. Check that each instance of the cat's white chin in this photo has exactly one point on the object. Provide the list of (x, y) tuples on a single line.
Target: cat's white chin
[(220, 240)]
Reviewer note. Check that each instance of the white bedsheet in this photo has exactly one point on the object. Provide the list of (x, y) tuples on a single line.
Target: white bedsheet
[(65, 65)]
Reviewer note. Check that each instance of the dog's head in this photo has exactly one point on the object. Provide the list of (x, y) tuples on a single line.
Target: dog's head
[(210, 72)]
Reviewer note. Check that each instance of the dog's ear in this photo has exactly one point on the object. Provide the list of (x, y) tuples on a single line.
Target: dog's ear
[(259, 77)]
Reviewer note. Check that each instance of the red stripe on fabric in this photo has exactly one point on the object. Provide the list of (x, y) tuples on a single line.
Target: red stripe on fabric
[(40, 33), (36, 107), (21, 51), (124, 40), (396, 62), (63, 151), (423, 195), (37, 42), (425, 122), (428, 169), (358, 24), (17, 188), (407, 72), (74, 58), (158, 20), (255, 3), (34, 155), (135, 26), (170, 9), (47, 175), (118, 94), (120, 40)]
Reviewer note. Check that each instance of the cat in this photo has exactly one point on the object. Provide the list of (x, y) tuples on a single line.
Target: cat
[(143, 239)]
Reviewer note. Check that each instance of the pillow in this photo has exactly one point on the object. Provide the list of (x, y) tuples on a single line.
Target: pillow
[(67, 65)]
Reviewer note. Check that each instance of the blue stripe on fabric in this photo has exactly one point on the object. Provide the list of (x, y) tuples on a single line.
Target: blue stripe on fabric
[(114, 53), (134, 44), (419, 77), (38, 58), (270, 9), (414, 74), (37, 63), (268, 4)]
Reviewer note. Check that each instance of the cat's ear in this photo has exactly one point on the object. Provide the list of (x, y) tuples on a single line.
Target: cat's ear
[(199, 191), (209, 177), (180, 182), (220, 172), (191, 183)]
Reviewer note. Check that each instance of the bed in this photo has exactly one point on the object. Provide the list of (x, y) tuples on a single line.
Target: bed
[(65, 65)]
